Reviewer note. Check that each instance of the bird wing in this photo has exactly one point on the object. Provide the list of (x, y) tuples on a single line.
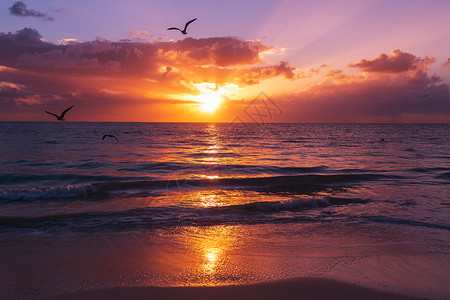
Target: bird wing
[(52, 114), (109, 135), (64, 112), (187, 24), (173, 28)]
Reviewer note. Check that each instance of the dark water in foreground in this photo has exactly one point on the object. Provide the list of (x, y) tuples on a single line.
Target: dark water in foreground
[(61, 178)]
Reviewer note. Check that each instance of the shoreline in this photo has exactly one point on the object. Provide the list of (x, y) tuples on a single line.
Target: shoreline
[(309, 261), (299, 288)]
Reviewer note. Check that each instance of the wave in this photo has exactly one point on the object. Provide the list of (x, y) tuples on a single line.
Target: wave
[(291, 185), (295, 184), (59, 192), (12, 179), (295, 205), (292, 211), (443, 176), (429, 170), (168, 167), (167, 216), (400, 221)]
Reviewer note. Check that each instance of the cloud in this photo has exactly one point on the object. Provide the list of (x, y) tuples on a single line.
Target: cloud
[(137, 32), (66, 41), (8, 94), (155, 81), (395, 62), (394, 95), (20, 9), (59, 10), (247, 76), (252, 76), (136, 72), (447, 64), (26, 49), (340, 76), (219, 51)]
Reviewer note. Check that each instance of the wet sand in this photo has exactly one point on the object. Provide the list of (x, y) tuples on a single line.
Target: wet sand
[(276, 261), (302, 288)]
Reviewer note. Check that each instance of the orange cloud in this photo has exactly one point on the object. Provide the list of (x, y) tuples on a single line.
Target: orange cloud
[(133, 73), (255, 75), (137, 32), (339, 76), (447, 64)]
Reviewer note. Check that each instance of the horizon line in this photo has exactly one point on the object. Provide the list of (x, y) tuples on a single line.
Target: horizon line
[(213, 122)]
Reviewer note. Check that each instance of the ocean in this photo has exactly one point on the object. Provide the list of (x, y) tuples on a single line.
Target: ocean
[(261, 184)]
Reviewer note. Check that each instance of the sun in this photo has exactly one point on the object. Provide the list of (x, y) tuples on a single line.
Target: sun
[(210, 98), (210, 103)]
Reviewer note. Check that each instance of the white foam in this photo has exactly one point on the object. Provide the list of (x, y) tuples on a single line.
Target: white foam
[(68, 191)]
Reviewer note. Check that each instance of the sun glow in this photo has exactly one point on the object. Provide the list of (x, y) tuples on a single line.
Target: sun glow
[(211, 96)]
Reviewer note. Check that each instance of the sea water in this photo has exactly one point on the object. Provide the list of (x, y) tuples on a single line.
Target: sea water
[(60, 180)]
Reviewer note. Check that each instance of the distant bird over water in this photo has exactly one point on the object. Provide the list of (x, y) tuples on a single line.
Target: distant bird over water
[(185, 27), (61, 117), (109, 135)]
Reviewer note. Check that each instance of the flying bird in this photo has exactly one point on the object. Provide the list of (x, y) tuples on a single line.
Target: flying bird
[(426, 95), (185, 27), (61, 117), (109, 135)]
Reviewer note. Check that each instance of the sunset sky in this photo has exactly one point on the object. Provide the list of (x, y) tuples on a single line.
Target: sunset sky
[(316, 61)]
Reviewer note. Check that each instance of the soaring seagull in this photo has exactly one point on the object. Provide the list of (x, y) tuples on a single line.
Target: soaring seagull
[(61, 117), (109, 135), (185, 27)]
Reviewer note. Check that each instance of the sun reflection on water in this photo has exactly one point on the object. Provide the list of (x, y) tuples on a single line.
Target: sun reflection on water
[(213, 245), (210, 253), (211, 200), (211, 257)]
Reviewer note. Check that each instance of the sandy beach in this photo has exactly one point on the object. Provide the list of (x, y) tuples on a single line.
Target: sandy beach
[(286, 261), (302, 288)]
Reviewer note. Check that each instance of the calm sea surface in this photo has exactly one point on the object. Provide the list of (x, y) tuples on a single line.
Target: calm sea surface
[(62, 178)]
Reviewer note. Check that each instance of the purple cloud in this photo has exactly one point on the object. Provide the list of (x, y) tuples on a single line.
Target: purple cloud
[(20, 9), (395, 62)]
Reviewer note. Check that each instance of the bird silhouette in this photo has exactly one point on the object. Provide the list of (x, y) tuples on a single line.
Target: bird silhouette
[(185, 27), (109, 135), (426, 95), (60, 117)]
